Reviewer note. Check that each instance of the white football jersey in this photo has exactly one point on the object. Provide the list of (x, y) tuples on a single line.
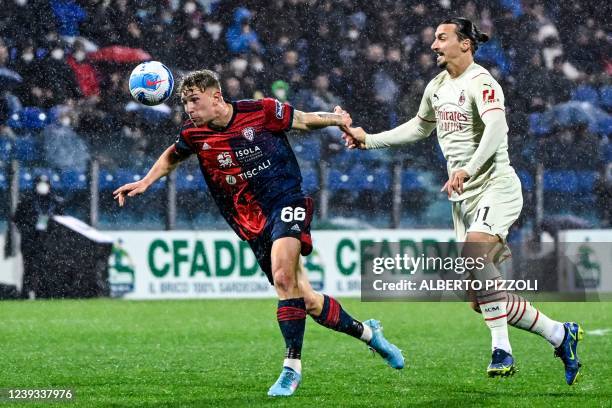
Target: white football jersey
[(456, 106)]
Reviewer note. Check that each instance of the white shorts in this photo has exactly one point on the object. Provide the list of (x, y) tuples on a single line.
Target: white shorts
[(492, 211)]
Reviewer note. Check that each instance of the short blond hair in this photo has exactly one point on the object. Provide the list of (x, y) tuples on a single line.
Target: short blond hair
[(202, 80)]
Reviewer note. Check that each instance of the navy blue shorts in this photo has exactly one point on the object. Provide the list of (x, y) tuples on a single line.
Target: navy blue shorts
[(291, 220)]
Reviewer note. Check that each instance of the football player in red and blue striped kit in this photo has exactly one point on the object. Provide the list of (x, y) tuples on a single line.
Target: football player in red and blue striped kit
[(253, 176)]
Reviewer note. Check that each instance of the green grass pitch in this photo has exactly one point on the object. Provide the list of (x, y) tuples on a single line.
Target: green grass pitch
[(228, 352)]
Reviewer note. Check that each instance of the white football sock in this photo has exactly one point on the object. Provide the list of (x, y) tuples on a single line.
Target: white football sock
[(492, 303), (523, 315), (367, 333), (293, 363)]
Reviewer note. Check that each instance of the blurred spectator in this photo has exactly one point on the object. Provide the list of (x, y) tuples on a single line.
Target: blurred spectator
[(84, 72), (69, 14), (26, 20), (197, 48), (240, 36), (492, 53), (58, 77), (291, 70), (560, 149), (376, 61), (559, 84), (603, 195), (280, 90), (31, 218), (64, 149), (537, 79), (231, 88)]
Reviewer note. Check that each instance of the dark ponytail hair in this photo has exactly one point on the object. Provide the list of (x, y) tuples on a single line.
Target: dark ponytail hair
[(466, 30)]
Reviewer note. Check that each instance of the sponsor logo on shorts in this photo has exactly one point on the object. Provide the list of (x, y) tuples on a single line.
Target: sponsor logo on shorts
[(296, 228)]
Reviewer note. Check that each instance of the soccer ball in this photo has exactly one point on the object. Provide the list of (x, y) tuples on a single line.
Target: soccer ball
[(151, 83)]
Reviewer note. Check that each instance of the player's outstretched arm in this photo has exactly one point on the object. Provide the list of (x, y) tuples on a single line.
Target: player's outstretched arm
[(412, 131), (318, 120), (164, 165)]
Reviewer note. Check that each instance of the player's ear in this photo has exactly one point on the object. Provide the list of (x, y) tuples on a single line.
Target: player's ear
[(217, 97)]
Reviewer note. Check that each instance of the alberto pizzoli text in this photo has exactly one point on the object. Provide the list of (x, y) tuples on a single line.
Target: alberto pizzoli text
[(456, 285)]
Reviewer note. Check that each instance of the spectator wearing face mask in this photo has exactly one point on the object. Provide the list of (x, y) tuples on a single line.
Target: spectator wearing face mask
[(31, 219)]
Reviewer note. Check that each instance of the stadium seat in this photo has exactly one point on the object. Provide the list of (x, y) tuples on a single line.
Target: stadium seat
[(606, 96), (28, 118), (343, 160), (72, 180), (25, 149), (310, 180), (189, 181), (378, 180), (53, 176), (412, 180), (106, 181), (308, 149), (124, 176), (362, 178), (6, 148), (537, 125), (560, 181), (338, 180), (586, 93), (604, 127), (26, 178), (526, 179), (586, 181), (607, 152)]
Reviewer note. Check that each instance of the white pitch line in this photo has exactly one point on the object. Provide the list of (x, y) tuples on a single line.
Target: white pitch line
[(598, 332)]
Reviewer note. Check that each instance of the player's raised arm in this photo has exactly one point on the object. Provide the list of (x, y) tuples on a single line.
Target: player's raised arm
[(164, 165), (319, 120)]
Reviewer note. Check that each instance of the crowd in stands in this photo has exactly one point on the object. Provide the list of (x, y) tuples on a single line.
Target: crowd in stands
[(61, 103)]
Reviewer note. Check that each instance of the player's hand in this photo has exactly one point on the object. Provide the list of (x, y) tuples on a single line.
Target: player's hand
[(455, 182), (129, 190), (347, 121), (354, 138)]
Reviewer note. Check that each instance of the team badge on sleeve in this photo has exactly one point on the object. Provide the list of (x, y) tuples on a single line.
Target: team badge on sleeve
[(488, 95)]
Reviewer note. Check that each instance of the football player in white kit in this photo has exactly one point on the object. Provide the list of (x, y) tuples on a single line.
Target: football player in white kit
[(465, 104)]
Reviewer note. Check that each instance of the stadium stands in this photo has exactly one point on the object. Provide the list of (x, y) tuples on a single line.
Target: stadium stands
[(88, 95)]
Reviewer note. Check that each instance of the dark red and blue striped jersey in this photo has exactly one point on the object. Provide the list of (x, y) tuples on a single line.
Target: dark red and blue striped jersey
[(249, 166)]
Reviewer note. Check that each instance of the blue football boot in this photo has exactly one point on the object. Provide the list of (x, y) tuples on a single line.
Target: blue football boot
[(392, 355), (287, 383), (502, 364), (568, 351)]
